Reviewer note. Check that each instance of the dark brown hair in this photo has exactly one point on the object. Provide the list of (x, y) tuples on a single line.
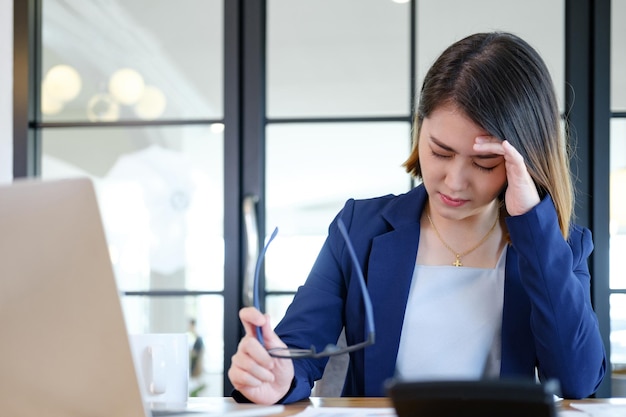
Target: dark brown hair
[(501, 83)]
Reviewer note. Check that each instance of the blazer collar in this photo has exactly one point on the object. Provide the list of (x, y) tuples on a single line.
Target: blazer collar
[(406, 209)]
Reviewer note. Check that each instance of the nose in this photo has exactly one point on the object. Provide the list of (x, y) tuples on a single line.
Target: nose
[(457, 177)]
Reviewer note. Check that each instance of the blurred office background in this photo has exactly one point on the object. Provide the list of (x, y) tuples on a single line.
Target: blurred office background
[(206, 123)]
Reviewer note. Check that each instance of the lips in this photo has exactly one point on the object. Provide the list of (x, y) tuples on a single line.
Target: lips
[(452, 202)]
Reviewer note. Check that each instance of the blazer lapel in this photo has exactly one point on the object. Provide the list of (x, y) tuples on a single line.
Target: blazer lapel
[(517, 340), (390, 269)]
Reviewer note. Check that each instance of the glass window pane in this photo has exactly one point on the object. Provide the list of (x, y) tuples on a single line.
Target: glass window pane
[(617, 227), (276, 306), (618, 56), (132, 59), (160, 191), (337, 58), (541, 23), (618, 329), (174, 315), (311, 170)]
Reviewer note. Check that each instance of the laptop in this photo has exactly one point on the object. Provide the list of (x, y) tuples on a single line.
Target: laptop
[(64, 346), (465, 398)]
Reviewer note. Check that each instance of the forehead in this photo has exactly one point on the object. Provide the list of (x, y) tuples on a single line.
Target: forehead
[(448, 122)]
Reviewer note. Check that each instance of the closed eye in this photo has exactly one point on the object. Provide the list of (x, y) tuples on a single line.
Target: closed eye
[(438, 155), (490, 159), (482, 168)]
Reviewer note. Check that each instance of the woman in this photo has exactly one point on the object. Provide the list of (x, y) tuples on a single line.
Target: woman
[(478, 272)]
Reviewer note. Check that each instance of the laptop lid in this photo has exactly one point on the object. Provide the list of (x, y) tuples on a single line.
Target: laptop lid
[(64, 349)]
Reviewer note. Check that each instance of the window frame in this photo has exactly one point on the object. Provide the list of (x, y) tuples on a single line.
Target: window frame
[(587, 66)]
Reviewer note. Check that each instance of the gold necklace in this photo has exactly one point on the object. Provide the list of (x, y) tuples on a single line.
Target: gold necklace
[(457, 262)]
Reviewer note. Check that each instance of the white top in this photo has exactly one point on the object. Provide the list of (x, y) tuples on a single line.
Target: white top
[(452, 323)]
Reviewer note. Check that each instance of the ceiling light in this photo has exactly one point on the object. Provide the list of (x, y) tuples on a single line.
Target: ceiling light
[(50, 105), (61, 83), (151, 104), (126, 86)]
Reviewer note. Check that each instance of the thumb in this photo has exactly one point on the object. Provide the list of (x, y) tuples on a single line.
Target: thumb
[(270, 338)]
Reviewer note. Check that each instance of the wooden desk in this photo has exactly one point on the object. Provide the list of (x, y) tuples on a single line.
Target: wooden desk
[(295, 408), (566, 404)]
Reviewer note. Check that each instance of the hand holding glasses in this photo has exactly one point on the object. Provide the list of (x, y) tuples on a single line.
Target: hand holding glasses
[(330, 349)]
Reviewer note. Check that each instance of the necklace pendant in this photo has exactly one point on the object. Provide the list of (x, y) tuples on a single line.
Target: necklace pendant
[(457, 262)]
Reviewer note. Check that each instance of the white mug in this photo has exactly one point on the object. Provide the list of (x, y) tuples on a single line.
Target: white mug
[(162, 364)]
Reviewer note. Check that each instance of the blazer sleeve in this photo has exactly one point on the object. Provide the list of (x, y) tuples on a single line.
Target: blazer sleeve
[(316, 315), (555, 275)]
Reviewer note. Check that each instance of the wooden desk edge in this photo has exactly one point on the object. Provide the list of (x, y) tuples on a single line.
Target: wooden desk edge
[(384, 402)]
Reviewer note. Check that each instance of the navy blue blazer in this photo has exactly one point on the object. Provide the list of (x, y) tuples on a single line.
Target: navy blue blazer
[(548, 322)]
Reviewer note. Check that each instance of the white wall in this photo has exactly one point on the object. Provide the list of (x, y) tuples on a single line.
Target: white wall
[(6, 91)]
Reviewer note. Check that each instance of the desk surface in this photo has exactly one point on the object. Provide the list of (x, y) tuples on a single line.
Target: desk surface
[(295, 408)]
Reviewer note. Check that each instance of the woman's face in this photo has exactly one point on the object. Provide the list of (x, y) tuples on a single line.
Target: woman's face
[(460, 182)]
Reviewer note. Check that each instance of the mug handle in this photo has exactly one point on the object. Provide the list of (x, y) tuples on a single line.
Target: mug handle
[(157, 382)]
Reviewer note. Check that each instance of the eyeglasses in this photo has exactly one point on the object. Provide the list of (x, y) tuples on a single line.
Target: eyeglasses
[(330, 349)]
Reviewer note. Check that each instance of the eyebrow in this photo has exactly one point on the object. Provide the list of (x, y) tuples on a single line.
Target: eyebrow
[(449, 149)]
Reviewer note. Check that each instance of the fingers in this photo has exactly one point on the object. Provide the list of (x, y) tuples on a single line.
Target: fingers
[(521, 193), (251, 365), (514, 160), (251, 318), (489, 145), (253, 372), (513, 157), (270, 338)]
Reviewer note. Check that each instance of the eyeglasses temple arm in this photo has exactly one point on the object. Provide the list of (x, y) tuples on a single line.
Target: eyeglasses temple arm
[(256, 298), (367, 302)]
